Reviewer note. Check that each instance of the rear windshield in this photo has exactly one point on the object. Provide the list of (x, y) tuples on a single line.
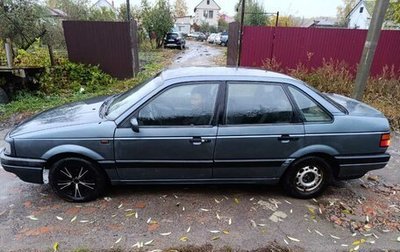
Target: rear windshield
[(172, 35)]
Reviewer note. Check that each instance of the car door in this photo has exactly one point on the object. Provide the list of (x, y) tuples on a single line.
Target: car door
[(260, 131), (176, 136)]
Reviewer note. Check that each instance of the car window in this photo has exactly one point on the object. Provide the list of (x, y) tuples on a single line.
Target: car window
[(311, 111), (257, 104), (183, 105)]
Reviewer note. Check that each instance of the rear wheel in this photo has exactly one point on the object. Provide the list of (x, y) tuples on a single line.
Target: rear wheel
[(307, 177), (77, 180)]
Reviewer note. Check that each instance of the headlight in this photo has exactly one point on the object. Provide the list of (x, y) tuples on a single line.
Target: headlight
[(7, 149)]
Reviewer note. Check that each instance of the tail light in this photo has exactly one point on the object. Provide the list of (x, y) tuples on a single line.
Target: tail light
[(385, 141)]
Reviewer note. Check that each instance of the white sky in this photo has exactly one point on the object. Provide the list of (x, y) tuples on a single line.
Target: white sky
[(301, 8)]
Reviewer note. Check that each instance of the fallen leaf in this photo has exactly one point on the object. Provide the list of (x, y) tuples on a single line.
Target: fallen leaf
[(344, 245), (55, 246), (218, 217), (262, 224), (335, 237), (148, 221), (215, 238), (183, 208), (230, 221), (358, 242), (176, 196), (73, 219), (288, 202), (293, 239), (217, 201), (204, 210), (237, 201), (251, 199), (148, 243), (356, 248), (225, 232), (166, 234), (83, 221), (107, 199), (253, 223), (136, 215), (120, 206), (215, 231), (130, 214), (32, 217), (59, 218), (316, 231), (117, 241), (286, 241), (188, 230), (184, 239)]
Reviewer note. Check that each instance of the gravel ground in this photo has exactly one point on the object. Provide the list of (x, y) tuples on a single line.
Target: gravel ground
[(212, 217)]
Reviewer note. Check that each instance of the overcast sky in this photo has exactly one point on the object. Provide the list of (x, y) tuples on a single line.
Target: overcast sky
[(301, 8)]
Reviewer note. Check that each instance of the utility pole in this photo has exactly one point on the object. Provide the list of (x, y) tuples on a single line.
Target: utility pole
[(128, 11), (367, 57), (241, 30)]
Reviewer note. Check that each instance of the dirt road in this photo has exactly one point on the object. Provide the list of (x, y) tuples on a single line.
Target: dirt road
[(239, 217)]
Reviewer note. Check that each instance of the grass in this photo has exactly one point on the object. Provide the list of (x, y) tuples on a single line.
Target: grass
[(28, 103)]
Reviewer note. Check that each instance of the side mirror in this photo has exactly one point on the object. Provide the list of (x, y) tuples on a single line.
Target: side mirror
[(135, 124)]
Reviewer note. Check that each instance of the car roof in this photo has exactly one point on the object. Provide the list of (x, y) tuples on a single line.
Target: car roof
[(220, 71)]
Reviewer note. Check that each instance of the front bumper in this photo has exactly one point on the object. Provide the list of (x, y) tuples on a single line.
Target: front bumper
[(351, 167), (27, 169)]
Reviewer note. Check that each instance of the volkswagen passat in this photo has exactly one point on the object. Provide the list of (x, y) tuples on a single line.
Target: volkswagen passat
[(201, 125)]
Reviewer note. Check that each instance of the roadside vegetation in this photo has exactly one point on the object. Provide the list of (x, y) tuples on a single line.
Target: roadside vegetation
[(382, 92)]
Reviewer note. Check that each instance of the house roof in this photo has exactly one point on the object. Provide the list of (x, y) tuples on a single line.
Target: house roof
[(219, 8), (325, 21), (369, 5), (57, 13), (104, 3)]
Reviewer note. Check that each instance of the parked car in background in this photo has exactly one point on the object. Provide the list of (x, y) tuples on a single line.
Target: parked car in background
[(175, 40), (200, 37), (217, 39), (211, 38), (201, 125), (224, 39)]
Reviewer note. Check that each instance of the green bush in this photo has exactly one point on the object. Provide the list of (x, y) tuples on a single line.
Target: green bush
[(36, 56), (68, 77)]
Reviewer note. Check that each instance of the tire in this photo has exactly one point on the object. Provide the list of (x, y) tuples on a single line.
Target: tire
[(77, 180), (3, 96), (307, 177)]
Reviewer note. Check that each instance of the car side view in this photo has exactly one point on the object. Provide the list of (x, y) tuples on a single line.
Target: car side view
[(201, 125)]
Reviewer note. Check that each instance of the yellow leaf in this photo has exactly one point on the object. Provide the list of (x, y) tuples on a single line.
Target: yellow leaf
[(74, 218), (184, 238), (237, 201), (225, 232), (55, 246), (215, 238)]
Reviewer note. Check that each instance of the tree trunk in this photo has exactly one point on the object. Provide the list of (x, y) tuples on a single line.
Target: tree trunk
[(51, 54)]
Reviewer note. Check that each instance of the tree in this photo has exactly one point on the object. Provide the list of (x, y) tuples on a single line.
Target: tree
[(157, 20), (255, 13), (75, 9), (222, 25), (288, 21), (180, 8), (344, 10), (393, 12), (206, 27), (23, 21), (135, 13), (102, 14)]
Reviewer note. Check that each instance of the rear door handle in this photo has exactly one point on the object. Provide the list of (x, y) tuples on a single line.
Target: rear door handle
[(287, 138), (199, 140)]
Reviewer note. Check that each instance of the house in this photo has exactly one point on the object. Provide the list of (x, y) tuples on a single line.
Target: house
[(105, 4), (207, 11), (324, 22), (183, 24), (360, 16)]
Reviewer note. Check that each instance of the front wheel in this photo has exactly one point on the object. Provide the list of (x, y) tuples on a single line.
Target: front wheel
[(307, 177), (76, 179)]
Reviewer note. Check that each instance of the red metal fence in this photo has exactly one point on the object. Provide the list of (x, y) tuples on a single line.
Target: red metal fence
[(311, 46)]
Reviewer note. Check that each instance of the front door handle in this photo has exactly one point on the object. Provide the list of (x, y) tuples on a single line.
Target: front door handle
[(287, 138), (199, 140)]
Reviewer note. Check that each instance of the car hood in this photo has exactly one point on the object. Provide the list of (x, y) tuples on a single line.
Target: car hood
[(82, 112)]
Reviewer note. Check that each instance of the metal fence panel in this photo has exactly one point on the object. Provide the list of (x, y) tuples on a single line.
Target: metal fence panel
[(312, 46), (107, 44)]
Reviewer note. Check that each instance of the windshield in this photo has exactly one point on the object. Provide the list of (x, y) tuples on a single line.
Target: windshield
[(124, 101)]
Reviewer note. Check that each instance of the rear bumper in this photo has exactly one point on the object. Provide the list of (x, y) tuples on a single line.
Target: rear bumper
[(27, 169), (351, 167)]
